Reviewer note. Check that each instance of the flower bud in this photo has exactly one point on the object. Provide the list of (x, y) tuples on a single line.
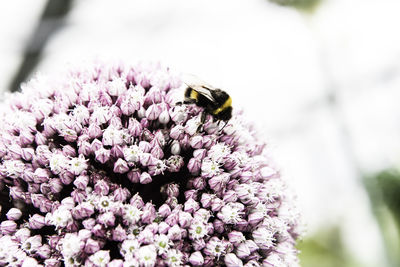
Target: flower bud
[(134, 176), (89, 223), (66, 177), (83, 210), (94, 131), (36, 221), (199, 183), (217, 204), (164, 210), (78, 195), (146, 237), (219, 226), (33, 188), (121, 194), (191, 205), (175, 148), (236, 237), (52, 262), (40, 176), (137, 201), (196, 258), (153, 111), (157, 152), (184, 219), (8, 227), (26, 138), (230, 196), (53, 241), (14, 214), (101, 188), (46, 206), (135, 128), (27, 153), (116, 263), (44, 251), (163, 228), (91, 246), (242, 251), (198, 244), (106, 219), (175, 233), (40, 139), (117, 151), (194, 166), (118, 234), (208, 141), (255, 217), (146, 159), (164, 117), (45, 188), (69, 151), (84, 234), (149, 213), (81, 182), (22, 234), (242, 225), (96, 145), (102, 155), (200, 153), (84, 148), (172, 219), (177, 132), (231, 260), (191, 194), (145, 178), (121, 166), (251, 245)]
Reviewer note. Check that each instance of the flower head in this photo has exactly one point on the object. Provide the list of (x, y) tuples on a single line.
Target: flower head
[(108, 170)]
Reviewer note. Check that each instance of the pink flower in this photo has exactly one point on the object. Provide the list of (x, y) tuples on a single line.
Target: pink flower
[(14, 214), (105, 162), (8, 227), (231, 260)]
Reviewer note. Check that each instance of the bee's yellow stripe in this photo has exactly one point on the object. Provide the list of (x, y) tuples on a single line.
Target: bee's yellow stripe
[(193, 94), (227, 104)]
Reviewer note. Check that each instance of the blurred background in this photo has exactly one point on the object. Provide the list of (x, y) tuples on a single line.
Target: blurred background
[(321, 79)]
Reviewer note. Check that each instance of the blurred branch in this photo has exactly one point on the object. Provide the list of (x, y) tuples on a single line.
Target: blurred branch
[(51, 21)]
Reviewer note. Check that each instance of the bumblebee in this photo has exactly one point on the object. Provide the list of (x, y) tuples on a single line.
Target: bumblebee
[(215, 102)]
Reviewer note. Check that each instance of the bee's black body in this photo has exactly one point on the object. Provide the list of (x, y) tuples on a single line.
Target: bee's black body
[(216, 102)]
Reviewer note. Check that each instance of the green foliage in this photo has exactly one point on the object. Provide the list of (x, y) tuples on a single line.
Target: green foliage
[(324, 249), (304, 5), (384, 192)]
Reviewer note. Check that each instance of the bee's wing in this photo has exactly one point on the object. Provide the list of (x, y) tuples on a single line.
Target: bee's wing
[(198, 85), (201, 89)]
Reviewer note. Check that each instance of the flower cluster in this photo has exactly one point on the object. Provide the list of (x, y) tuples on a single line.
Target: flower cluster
[(101, 167)]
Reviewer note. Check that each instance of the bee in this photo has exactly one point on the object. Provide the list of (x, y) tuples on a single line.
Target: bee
[(215, 101)]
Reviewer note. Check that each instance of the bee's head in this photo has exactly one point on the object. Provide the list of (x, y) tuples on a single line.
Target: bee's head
[(225, 114)]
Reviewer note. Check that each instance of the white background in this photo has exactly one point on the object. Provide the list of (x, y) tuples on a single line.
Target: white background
[(281, 66)]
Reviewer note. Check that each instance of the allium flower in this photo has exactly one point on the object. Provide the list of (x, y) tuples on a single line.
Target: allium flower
[(101, 167)]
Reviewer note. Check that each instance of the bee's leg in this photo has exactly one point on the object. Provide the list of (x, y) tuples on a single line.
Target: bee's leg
[(203, 117), (189, 101), (226, 122), (202, 120), (186, 101)]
